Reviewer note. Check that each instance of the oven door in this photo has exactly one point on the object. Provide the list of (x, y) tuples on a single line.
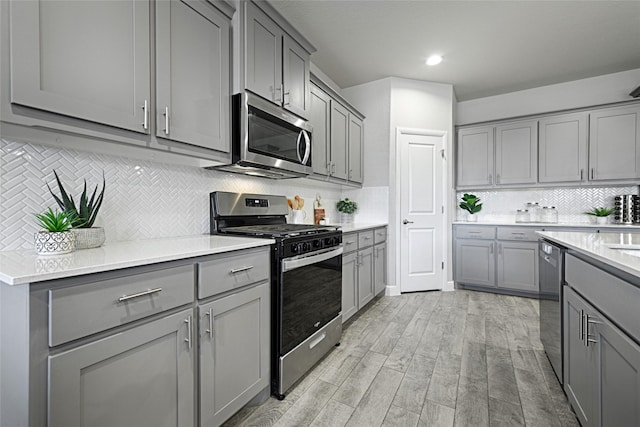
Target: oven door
[(310, 295)]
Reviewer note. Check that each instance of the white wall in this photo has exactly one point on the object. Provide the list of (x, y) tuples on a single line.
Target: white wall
[(609, 88)]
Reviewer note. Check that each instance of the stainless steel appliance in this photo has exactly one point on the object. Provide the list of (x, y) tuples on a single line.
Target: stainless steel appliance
[(551, 277), (627, 209), (306, 280), (267, 140)]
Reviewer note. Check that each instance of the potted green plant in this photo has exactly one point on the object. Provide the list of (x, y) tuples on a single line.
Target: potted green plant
[(84, 214), (346, 208), (601, 215), (471, 204), (57, 237)]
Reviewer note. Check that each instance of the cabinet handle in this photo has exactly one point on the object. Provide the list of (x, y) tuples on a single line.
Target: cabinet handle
[(490, 179), (166, 120), (367, 238), (238, 270), (279, 90), (581, 174), (145, 115), (497, 178), (188, 338), (285, 98), (350, 173), (210, 330), (349, 242), (587, 335), (593, 172), (491, 248), (139, 294), (333, 168), (581, 326), (499, 248)]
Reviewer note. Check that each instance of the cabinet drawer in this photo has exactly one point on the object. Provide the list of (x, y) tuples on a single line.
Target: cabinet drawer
[(350, 242), (465, 232), (379, 235), (82, 310), (230, 271), (365, 239), (616, 298), (517, 233)]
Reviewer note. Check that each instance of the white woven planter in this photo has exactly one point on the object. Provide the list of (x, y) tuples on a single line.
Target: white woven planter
[(87, 238), (54, 243)]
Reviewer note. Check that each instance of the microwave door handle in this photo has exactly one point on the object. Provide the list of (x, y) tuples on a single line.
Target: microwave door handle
[(307, 150)]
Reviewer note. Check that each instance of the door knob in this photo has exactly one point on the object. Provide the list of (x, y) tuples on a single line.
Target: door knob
[(406, 221)]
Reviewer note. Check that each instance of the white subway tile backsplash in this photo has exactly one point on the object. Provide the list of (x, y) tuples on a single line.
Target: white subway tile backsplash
[(143, 199), (571, 203)]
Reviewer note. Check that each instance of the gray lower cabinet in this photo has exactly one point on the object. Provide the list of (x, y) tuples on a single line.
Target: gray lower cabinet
[(365, 276), (503, 259), (380, 268), (102, 76), (349, 285), (602, 366), (143, 376), (234, 352), (192, 74)]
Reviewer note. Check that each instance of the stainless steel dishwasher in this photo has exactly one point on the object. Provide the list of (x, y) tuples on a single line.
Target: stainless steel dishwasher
[(551, 277)]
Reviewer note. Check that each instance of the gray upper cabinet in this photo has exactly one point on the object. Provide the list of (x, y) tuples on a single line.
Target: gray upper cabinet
[(87, 60), (475, 148), (516, 153), (614, 140), (192, 74), (143, 376), (276, 66), (339, 141), (234, 352), (356, 149), (562, 144), (320, 117)]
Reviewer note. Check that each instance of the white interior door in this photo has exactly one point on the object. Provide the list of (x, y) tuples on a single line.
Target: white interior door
[(421, 166)]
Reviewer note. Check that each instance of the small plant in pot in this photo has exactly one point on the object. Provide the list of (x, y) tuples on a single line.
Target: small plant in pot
[(471, 204), (601, 215), (346, 208), (57, 237), (84, 215)]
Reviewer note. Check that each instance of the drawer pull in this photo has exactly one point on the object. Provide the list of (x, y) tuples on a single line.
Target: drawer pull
[(517, 234), (367, 238), (139, 294), (241, 269), (318, 340), (349, 243), (474, 232)]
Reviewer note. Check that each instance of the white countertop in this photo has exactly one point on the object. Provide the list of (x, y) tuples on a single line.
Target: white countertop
[(359, 226), (24, 266), (631, 228), (599, 246)]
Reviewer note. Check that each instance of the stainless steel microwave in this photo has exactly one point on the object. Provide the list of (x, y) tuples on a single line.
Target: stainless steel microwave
[(267, 140)]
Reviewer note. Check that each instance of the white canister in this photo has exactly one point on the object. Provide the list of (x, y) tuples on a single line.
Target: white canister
[(298, 216)]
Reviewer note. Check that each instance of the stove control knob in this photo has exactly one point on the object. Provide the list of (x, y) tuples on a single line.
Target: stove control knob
[(306, 246), (316, 244), (295, 248), (328, 241)]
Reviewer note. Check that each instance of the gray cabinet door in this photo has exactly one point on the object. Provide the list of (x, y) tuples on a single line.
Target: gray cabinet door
[(143, 376), (380, 267), (475, 262), (356, 141), (618, 375), (295, 74), (88, 60), (365, 277), (579, 360), (339, 141), (320, 117), (562, 142), (349, 285), (474, 148), (518, 266), (263, 55), (614, 136), (234, 352), (192, 74), (517, 153)]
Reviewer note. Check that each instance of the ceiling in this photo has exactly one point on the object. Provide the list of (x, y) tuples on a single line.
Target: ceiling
[(489, 47)]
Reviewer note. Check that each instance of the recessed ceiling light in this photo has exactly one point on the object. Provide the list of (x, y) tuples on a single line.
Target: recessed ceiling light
[(434, 60)]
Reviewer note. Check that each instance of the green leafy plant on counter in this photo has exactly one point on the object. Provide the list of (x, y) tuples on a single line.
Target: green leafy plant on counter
[(347, 206), (85, 213), (600, 212), (471, 203), (55, 222)]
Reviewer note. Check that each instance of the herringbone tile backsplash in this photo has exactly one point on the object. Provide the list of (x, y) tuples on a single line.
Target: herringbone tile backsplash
[(143, 199)]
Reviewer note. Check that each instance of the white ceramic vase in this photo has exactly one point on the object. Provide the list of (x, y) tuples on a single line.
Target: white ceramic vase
[(601, 220), (54, 243), (87, 238), (472, 218)]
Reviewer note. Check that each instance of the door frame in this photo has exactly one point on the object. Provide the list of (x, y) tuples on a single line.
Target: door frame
[(400, 131)]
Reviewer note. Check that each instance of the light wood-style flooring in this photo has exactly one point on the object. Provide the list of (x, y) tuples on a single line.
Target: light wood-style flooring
[(458, 358)]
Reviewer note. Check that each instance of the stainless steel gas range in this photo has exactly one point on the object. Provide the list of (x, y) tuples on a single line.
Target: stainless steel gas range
[(306, 280)]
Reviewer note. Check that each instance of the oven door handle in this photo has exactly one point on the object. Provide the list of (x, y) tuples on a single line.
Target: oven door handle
[(292, 264)]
